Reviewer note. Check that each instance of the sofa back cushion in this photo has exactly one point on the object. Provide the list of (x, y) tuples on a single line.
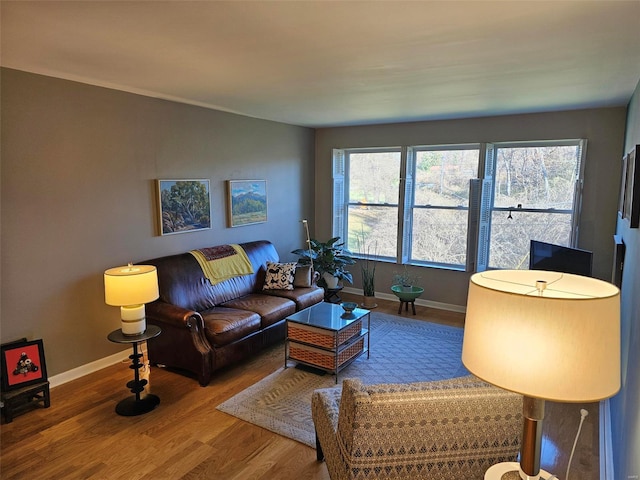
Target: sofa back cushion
[(181, 281)]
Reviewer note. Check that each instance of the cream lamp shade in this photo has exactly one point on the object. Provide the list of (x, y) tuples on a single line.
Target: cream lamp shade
[(545, 335), (129, 288)]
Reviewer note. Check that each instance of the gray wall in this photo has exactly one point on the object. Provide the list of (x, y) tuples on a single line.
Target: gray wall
[(78, 170), (625, 407), (604, 129)]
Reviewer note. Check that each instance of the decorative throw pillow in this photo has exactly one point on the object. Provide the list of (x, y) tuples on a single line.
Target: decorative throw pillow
[(303, 276), (279, 276)]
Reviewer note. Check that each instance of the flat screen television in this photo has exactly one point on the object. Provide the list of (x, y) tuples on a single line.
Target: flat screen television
[(556, 258)]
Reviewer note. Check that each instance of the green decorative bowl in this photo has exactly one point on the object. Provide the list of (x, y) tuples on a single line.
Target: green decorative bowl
[(407, 294)]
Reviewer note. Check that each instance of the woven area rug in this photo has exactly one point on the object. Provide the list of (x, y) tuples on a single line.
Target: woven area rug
[(402, 350)]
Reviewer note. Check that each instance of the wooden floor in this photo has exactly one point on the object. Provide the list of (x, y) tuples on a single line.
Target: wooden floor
[(81, 437)]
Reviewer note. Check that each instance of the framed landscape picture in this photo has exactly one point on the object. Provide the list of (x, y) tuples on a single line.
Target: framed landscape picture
[(183, 206), (246, 202), (22, 364)]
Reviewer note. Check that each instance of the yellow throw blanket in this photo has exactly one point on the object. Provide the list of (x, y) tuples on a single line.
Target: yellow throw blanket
[(223, 262)]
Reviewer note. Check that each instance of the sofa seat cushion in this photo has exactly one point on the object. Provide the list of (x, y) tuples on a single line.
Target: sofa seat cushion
[(224, 325), (271, 309), (304, 297)]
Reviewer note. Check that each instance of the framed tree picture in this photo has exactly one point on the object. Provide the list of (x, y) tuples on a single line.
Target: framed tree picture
[(246, 202), (23, 364), (183, 206)]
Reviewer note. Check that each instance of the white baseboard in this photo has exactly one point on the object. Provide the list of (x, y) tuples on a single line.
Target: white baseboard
[(606, 446), (425, 303), (83, 370)]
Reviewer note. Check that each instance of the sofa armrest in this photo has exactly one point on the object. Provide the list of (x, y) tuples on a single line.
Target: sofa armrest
[(172, 315), (182, 343)]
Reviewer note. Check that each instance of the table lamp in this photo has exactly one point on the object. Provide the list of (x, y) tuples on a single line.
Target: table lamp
[(130, 288), (546, 335)]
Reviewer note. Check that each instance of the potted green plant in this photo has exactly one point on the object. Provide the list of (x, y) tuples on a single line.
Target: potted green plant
[(329, 259), (405, 279), (368, 270), (368, 277), (404, 286)]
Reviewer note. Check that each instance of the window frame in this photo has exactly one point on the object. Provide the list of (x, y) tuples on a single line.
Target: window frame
[(481, 198), (407, 246), (487, 201), (343, 171)]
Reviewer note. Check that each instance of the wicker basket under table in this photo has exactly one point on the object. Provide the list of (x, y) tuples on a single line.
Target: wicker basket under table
[(329, 349)]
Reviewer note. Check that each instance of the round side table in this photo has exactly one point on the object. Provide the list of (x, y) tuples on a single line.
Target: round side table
[(332, 295), (132, 406)]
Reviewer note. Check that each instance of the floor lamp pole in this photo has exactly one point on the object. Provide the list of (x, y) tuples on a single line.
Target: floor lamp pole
[(533, 412)]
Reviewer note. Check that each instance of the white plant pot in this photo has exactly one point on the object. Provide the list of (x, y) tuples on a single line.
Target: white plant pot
[(330, 280)]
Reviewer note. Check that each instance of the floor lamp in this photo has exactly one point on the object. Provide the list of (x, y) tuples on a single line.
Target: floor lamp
[(546, 335), (306, 230)]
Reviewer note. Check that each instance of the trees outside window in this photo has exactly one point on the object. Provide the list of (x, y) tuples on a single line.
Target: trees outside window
[(536, 192), (428, 205), (373, 180), (440, 206)]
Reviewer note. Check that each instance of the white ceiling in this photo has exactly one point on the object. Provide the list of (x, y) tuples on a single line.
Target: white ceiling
[(328, 63)]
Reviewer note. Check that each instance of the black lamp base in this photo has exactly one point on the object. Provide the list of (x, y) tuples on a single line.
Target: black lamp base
[(130, 407)]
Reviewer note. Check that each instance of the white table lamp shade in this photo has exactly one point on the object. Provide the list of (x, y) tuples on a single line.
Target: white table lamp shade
[(562, 344), (130, 287)]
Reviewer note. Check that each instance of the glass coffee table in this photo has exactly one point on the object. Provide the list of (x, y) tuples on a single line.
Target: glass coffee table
[(324, 336)]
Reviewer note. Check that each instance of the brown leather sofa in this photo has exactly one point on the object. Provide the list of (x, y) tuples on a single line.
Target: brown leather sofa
[(207, 327)]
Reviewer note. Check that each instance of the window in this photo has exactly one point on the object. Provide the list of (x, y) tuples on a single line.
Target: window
[(425, 205), (440, 204), (373, 179), (535, 192)]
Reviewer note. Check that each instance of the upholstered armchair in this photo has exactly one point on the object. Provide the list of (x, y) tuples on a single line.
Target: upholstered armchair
[(449, 429)]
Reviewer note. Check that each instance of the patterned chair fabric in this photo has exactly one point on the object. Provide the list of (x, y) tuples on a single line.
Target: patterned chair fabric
[(448, 429)]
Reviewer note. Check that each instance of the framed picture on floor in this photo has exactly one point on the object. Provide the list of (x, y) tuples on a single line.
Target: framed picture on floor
[(23, 364), (183, 206), (246, 202)]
